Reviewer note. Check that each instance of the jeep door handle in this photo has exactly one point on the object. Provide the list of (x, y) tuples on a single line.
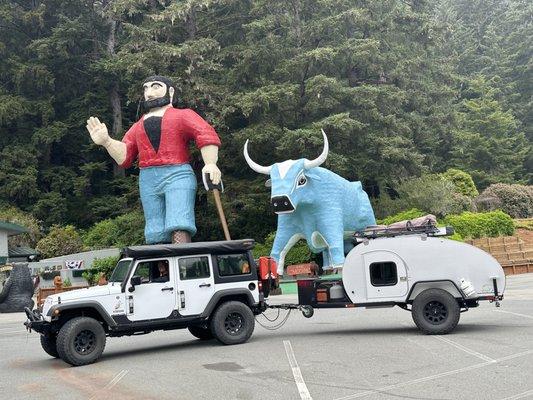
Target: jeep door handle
[(204, 285), (167, 288)]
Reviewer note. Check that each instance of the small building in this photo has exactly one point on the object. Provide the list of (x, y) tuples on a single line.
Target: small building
[(14, 253)]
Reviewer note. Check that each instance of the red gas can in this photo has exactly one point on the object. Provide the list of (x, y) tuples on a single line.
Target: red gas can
[(268, 268)]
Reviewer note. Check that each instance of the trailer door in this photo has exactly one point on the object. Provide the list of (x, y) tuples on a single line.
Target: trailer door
[(386, 275)]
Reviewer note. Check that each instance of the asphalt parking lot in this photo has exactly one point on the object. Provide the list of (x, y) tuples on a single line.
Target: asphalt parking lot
[(337, 355)]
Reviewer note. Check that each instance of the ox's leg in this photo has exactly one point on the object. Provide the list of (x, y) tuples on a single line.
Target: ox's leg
[(286, 237), (333, 234), (326, 260)]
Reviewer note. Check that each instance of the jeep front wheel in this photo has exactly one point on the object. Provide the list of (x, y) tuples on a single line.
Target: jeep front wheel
[(81, 341), (435, 312), (49, 345), (233, 323), (200, 332)]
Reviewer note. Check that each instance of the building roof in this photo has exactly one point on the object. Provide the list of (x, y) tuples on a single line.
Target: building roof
[(165, 250), (22, 251), (12, 229)]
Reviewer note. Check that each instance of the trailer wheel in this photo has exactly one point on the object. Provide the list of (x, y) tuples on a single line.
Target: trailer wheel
[(201, 333), (232, 323), (435, 312), (307, 311), (49, 345), (81, 341)]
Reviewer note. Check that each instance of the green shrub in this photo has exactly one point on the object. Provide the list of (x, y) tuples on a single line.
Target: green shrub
[(100, 266), (401, 216), (463, 182), (524, 224), (124, 230), (515, 200), (476, 225), (67, 282), (432, 194), (60, 241)]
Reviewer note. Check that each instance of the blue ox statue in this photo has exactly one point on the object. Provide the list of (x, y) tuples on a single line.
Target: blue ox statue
[(314, 204)]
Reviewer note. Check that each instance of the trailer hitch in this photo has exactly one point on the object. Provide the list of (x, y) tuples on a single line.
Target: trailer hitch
[(307, 311)]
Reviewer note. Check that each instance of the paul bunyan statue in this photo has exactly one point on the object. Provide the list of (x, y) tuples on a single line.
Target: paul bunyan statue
[(160, 142)]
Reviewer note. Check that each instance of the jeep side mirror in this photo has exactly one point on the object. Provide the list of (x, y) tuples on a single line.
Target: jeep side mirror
[(134, 281)]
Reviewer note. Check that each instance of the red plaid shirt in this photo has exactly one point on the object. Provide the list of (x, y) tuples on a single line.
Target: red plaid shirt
[(178, 127)]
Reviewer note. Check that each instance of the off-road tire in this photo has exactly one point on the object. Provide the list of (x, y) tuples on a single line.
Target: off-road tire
[(81, 341), (435, 312), (201, 333), (233, 322), (49, 345)]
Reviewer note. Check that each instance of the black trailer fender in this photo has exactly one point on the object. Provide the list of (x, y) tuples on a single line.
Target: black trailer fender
[(444, 284)]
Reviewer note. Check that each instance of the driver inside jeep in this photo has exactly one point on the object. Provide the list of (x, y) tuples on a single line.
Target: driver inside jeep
[(162, 267)]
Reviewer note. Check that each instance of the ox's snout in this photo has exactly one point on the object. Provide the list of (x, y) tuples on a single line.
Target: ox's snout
[(281, 204)]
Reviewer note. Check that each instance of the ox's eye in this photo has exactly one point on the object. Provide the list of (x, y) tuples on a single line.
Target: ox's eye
[(302, 180)]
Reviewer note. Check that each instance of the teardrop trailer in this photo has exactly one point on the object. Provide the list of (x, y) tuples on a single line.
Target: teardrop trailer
[(215, 289)]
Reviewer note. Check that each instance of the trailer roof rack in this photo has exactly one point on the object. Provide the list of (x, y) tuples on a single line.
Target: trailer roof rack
[(377, 231)]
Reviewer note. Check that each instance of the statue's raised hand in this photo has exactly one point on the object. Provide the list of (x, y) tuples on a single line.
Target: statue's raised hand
[(98, 131)]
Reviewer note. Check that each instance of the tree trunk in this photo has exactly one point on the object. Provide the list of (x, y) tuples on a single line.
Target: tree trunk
[(114, 96)]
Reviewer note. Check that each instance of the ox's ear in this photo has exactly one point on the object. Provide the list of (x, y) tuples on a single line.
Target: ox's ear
[(268, 183), (313, 175)]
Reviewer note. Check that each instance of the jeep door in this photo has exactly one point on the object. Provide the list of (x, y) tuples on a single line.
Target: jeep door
[(386, 275), (195, 283), (155, 297)]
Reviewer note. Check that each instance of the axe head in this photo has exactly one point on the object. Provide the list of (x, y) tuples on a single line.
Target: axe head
[(208, 184)]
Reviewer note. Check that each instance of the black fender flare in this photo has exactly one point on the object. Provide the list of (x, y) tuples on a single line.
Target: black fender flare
[(227, 293), (86, 304)]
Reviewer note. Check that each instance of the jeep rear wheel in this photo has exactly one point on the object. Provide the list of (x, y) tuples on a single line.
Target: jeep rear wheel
[(435, 312), (81, 341), (49, 345), (201, 333), (233, 323)]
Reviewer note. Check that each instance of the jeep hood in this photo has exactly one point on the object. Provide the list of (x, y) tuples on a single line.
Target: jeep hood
[(82, 294)]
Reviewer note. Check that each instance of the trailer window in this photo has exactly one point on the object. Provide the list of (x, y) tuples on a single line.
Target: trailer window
[(383, 274)]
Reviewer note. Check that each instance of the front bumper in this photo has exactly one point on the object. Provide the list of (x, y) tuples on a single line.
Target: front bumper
[(36, 322)]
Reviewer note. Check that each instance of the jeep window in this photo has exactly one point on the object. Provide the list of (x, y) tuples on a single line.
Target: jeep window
[(153, 271), (194, 268), (383, 274), (120, 271), (233, 264)]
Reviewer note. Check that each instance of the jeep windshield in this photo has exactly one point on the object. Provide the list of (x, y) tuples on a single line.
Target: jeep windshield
[(120, 271)]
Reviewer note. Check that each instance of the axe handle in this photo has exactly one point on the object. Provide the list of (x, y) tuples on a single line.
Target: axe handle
[(220, 210)]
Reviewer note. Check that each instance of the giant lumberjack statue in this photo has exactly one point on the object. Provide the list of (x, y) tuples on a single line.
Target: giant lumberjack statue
[(166, 181)]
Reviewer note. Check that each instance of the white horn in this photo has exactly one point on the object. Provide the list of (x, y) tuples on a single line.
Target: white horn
[(322, 157), (253, 165)]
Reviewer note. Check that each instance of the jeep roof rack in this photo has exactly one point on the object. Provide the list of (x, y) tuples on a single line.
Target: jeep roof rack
[(166, 250), (377, 232)]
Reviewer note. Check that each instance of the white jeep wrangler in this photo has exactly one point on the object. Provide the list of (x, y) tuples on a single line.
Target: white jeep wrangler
[(211, 288)]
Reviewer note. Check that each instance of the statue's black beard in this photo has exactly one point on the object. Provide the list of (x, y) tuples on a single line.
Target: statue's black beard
[(156, 103)]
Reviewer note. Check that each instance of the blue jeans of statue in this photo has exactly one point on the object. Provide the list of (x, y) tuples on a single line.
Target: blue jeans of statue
[(167, 194)]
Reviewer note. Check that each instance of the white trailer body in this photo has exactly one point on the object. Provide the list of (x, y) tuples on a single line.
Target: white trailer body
[(397, 269)]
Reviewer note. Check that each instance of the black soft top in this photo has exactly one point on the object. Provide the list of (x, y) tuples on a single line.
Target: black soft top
[(185, 249)]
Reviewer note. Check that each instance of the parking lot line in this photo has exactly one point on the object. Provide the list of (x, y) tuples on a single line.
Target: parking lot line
[(520, 395), (111, 383), (465, 349), (298, 378), (510, 312), (432, 377)]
